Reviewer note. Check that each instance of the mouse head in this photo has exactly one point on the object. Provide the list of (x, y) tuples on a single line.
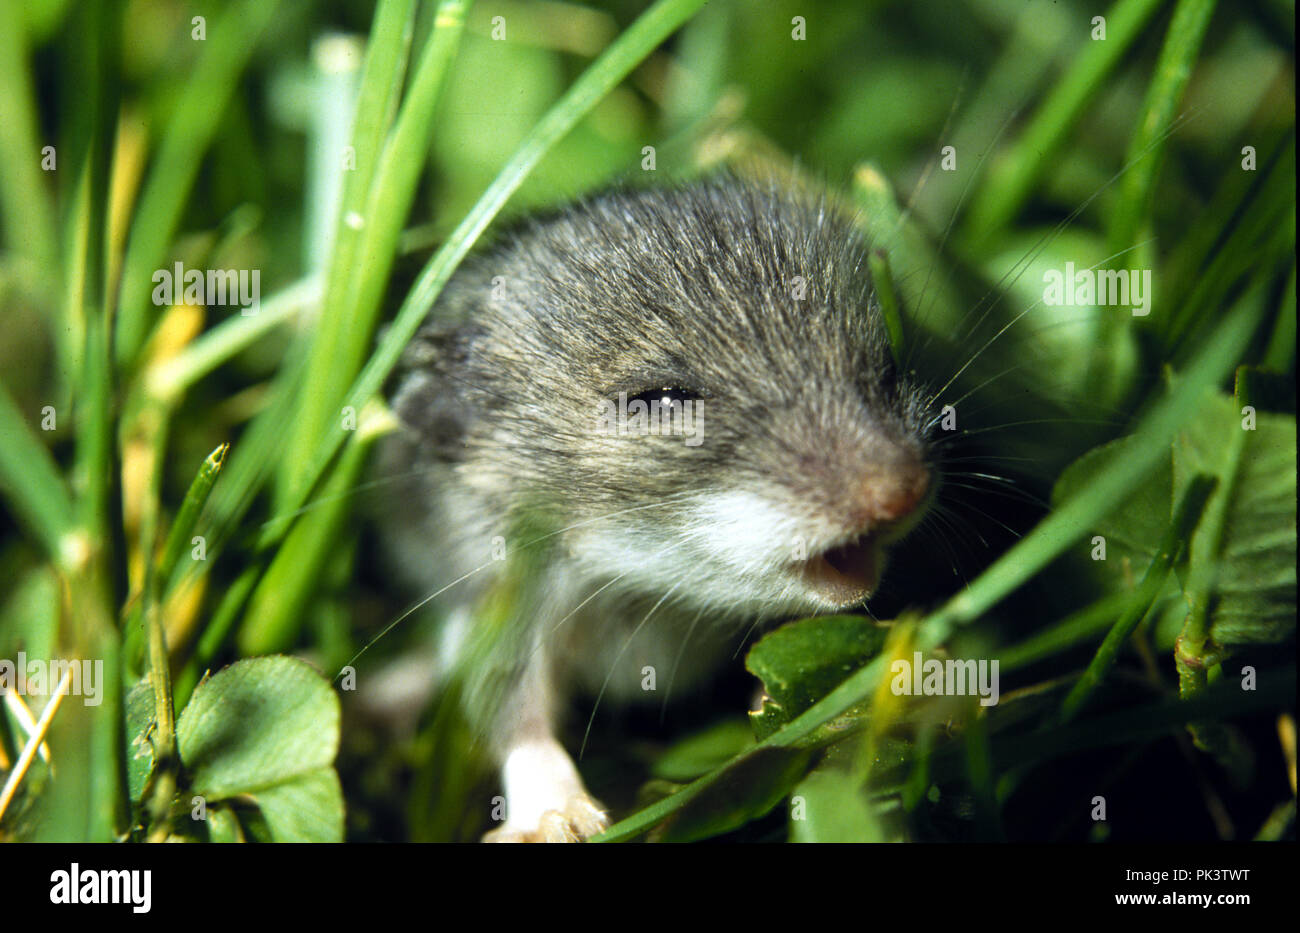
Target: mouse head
[(696, 385)]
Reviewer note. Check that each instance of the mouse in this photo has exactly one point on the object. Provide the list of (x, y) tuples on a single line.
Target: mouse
[(653, 411)]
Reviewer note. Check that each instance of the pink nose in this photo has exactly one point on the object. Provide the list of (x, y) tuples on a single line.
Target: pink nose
[(888, 492)]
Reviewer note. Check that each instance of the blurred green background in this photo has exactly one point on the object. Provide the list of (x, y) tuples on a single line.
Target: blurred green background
[(1067, 148)]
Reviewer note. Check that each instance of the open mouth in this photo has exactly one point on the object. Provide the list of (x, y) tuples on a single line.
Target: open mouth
[(846, 574)]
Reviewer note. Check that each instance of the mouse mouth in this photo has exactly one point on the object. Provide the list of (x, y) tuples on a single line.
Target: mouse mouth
[(846, 574)]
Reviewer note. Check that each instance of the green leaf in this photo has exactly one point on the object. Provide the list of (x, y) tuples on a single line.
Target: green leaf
[(749, 787), (1249, 562), (1053, 333), (306, 809), (29, 616), (258, 723), (829, 806), (1133, 530), (801, 662), (1244, 552), (223, 825), (139, 750), (1165, 92), (278, 607), (178, 540), (168, 379), (921, 288), (25, 200), (702, 752), (354, 293)]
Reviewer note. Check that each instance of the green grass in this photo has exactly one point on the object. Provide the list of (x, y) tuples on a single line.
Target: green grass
[(130, 535)]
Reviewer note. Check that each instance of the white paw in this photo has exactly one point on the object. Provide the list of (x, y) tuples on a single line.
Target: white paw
[(580, 819)]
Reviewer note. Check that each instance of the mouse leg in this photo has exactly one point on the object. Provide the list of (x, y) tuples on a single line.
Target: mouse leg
[(545, 797)]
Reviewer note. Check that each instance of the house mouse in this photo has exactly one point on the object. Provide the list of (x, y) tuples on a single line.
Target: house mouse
[(650, 408)]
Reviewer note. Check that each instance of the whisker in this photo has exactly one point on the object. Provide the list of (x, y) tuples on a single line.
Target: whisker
[(994, 296), (592, 718), (669, 547), (931, 522), (1012, 322), (971, 432), (999, 522), (672, 675), (982, 385), (750, 631), (421, 604), (956, 211), (950, 516), (668, 500), (987, 457), (1009, 492)]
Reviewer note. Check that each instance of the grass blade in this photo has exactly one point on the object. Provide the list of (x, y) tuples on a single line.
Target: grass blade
[(169, 380), (28, 208), (633, 45), (1131, 221), (1173, 70), (190, 130), (382, 79), (30, 479), (1145, 597), (188, 516), (359, 276), (1012, 177), (277, 609)]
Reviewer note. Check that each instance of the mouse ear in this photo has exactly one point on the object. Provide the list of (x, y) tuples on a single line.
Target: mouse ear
[(428, 402)]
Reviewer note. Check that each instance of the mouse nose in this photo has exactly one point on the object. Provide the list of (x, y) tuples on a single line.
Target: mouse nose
[(887, 491)]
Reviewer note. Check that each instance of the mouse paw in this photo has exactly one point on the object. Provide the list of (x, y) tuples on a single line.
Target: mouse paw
[(580, 819)]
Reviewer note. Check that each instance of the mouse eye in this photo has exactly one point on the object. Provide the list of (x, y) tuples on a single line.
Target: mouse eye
[(665, 396)]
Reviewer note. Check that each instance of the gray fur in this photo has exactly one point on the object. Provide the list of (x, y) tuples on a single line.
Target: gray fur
[(637, 290)]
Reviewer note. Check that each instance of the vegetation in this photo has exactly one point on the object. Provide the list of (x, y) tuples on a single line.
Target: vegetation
[(183, 482)]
